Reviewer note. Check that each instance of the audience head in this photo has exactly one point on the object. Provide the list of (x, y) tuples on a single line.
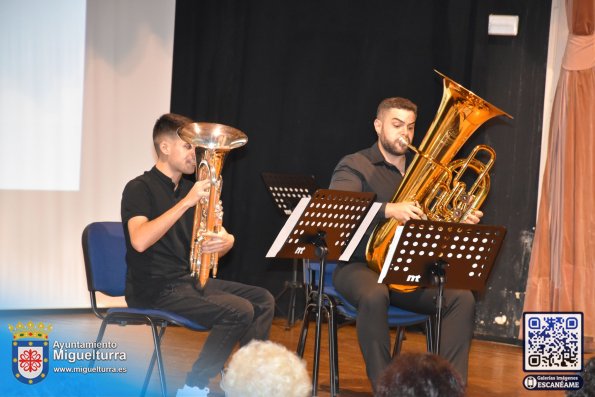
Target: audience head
[(264, 369), (419, 375), (588, 376)]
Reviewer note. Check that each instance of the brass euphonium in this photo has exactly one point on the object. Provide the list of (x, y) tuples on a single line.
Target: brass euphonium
[(432, 180), (212, 143)]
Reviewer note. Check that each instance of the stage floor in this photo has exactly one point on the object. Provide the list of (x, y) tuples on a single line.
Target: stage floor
[(495, 369)]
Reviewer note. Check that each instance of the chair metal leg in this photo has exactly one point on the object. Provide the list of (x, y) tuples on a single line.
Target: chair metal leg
[(157, 336), (99, 338), (398, 341)]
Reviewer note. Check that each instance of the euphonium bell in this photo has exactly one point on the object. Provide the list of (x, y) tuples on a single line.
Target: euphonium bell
[(212, 142), (435, 182)]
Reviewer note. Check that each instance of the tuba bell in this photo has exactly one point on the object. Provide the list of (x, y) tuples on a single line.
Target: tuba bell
[(433, 180), (212, 143)]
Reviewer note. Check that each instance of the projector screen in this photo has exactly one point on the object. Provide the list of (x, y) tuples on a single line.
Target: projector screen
[(81, 84), (41, 92)]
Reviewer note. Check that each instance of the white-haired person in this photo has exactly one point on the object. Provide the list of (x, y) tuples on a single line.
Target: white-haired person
[(265, 369)]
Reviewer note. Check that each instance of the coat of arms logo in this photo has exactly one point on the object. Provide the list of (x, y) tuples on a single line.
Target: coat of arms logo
[(30, 351)]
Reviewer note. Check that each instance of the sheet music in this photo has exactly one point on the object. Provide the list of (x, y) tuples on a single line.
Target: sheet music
[(391, 252), (353, 243), (288, 227)]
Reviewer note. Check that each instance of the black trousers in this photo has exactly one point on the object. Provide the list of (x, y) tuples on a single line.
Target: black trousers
[(235, 313), (359, 285)]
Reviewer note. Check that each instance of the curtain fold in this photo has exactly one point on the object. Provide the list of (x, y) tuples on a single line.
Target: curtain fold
[(562, 269)]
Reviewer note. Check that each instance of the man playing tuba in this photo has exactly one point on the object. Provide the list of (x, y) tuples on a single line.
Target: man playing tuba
[(380, 169), (158, 213)]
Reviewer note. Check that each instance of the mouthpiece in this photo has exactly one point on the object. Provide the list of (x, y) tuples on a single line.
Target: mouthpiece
[(403, 140)]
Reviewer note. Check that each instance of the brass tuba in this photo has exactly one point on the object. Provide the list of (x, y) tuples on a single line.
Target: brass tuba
[(212, 142), (435, 182)]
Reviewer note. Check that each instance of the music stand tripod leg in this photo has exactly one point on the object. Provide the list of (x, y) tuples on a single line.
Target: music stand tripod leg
[(321, 252), (291, 286), (439, 278), (295, 285), (310, 231)]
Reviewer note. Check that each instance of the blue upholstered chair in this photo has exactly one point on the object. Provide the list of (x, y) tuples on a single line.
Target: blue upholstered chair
[(104, 251), (334, 303)]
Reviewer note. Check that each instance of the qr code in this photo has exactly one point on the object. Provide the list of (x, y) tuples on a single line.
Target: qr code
[(553, 341)]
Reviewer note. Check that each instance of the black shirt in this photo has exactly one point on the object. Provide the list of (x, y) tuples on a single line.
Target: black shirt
[(150, 195), (367, 171)]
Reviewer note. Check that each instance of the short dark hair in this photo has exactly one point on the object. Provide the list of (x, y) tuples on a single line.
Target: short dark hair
[(417, 375), (167, 125), (396, 103), (588, 375)]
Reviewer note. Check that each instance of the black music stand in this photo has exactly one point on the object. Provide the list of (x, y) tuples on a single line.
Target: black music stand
[(286, 190), (328, 226), (427, 250)]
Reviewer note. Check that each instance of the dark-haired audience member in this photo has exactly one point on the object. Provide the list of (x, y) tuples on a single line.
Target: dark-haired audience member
[(419, 375), (588, 375)]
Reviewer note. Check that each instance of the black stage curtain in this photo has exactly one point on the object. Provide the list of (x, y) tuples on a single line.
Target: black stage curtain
[(302, 79)]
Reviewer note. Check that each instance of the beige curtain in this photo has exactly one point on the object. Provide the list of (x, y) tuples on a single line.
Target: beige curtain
[(562, 267)]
